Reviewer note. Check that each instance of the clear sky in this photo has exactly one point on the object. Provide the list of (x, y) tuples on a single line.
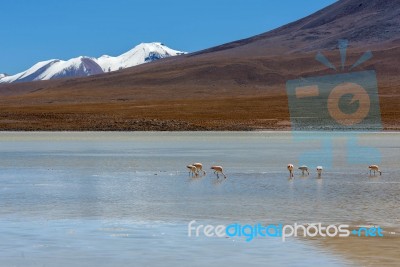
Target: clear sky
[(38, 30)]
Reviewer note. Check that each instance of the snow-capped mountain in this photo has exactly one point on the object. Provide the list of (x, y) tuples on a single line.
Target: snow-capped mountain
[(143, 53), (55, 68), (2, 75), (86, 66)]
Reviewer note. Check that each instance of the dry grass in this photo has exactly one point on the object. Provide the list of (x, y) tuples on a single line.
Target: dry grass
[(210, 114)]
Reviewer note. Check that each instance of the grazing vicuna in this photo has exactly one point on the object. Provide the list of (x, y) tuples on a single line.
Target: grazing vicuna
[(304, 169), (192, 170), (319, 171), (290, 168), (218, 169), (374, 168), (199, 168)]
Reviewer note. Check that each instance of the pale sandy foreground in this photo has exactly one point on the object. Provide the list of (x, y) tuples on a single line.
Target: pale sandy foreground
[(365, 251)]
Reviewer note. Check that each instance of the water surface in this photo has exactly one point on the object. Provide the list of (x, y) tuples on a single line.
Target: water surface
[(124, 199)]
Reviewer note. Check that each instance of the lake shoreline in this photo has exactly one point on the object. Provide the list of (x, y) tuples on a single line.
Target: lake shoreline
[(190, 129)]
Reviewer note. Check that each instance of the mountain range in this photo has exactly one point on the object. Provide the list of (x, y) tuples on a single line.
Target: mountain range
[(85, 66), (240, 85)]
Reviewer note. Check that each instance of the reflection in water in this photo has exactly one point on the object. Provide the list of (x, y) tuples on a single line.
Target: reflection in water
[(143, 176), (218, 181)]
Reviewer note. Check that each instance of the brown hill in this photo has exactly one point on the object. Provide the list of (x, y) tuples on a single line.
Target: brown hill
[(235, 86)]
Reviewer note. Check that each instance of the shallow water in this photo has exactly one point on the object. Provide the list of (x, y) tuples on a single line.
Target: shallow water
[(117, 199)]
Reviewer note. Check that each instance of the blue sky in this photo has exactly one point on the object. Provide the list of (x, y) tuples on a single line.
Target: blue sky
[(33, 31)]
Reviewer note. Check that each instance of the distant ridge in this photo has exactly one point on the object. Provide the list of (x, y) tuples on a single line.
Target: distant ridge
[(235, 86), (85, 66)]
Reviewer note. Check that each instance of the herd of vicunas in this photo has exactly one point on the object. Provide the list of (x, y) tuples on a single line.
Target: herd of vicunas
[(196, 168), (304, 169)]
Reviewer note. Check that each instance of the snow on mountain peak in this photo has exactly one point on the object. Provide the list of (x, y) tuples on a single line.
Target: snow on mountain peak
[(55, 68), (85, 66), (142, 53), (75, 67)]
